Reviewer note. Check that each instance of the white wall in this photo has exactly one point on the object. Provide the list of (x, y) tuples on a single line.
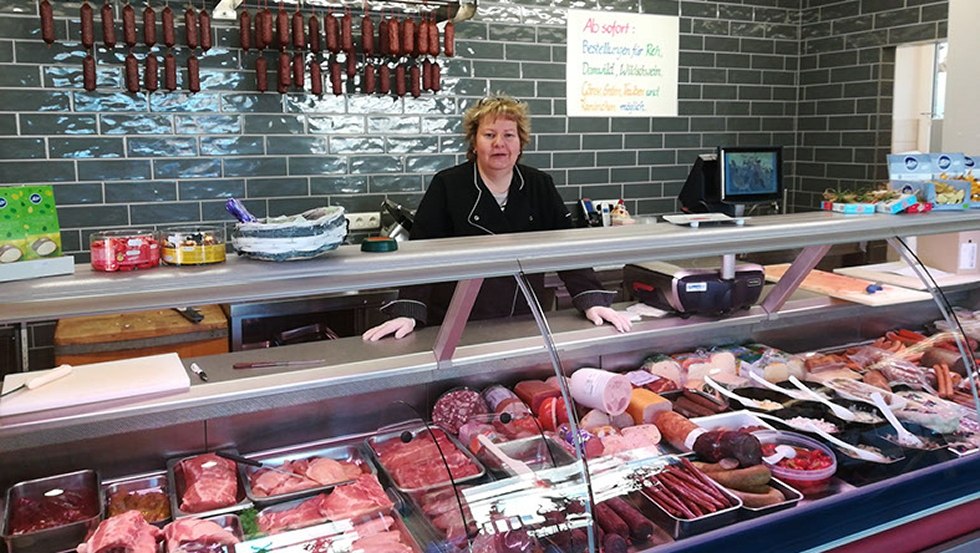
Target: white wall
[(911, 117), (961, 125)]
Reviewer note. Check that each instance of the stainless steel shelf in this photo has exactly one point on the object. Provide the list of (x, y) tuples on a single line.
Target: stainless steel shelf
[(88, 292)]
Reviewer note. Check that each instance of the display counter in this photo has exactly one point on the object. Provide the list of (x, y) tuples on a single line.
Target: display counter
[(360, 388)]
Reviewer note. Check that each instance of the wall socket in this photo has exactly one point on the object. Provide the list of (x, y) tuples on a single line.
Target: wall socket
[(369, 220)]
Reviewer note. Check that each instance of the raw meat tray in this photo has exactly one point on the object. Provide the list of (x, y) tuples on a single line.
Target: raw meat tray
[(383, 438), (175, 478)]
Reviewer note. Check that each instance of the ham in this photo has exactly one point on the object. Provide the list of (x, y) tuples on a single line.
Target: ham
[(203, 534), (209, 483), (128, 532)]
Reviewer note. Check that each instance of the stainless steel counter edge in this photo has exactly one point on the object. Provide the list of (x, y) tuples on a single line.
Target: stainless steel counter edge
[(88, 292)]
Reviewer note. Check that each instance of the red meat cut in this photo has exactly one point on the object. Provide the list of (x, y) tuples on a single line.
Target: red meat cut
[(209, 483), (127, 532), (418, 463), (201, 533)]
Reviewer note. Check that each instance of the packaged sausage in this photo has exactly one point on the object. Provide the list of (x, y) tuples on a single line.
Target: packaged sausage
[(601, 389), (500, 400), (533, 392)]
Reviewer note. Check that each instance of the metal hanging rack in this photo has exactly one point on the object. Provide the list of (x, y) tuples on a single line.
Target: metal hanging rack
[(444, 10)]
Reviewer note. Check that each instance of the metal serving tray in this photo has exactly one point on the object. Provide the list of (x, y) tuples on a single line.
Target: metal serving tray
[(345, 452), (58, 538), (684, 527), (175, 479), (324, 526), (536, 452), (792, 495), (413, 433), (140, 484)]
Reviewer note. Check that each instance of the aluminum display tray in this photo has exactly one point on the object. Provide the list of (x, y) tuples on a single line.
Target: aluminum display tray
[(679, 527), (118, 491), (346, 453), (536, 452), (792, 495), (382, 440), (58, 538), (175, 478)]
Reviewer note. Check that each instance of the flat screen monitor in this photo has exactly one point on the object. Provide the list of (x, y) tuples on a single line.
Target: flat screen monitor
[(750, 174)]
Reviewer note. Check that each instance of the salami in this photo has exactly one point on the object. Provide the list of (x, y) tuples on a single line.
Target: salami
[(427, 75), (204, 20), (640, 527), (46, 12), (330, 28), (414, 85), (367, 35), (369, 77), (422, 39), (244, 30), (299, 79), (149, 26), (675, 428), (384, 79), (714, 445), (408, 37), (433, 38), (335, 82), (266, 27), (314, 32), (449, 39), (347, 33), (167, 20), (87, 26), (132, 74), (299, 33), (610, 521), (457, 406), (383, 37), (129, 25), (282, 26), (351, 66), (394, 42), (170, 72), (191, 35), (108, 26), (282, 83), (436, 77), (316, 78), (151, 72), (400, 80), (88, 72), (193, 74), (261, 74)]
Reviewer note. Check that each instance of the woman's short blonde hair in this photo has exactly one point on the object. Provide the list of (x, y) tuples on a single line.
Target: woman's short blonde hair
[(490, 108)]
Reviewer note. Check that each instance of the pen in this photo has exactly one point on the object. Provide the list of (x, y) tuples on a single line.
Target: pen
[(263, 364), (199, 372)]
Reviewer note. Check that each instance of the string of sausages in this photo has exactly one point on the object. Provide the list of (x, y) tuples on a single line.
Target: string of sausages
[(395, 55)]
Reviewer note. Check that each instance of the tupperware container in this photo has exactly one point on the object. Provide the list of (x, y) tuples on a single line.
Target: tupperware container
[(192, 245), (175, 480), (147, 493), (807, 481), (348, 453), (124, 250), (29, 500)]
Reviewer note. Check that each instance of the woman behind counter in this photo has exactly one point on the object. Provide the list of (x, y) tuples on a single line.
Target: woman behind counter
[(492, 194)]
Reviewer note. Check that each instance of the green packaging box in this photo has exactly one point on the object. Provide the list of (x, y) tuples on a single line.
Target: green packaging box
[(28, 224)]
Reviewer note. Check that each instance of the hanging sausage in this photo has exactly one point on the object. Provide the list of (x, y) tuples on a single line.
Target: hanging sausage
[(316, 78), (299, 71), (332, 32), (408, 37), (167, 18), (129, 25), (151, 72), (149, 26), (88, 72), (282, 26), (367, 34), (190, 28), (87, 26), (244, 30), (314, 32), (193, 74), (347, 33), (204, 19), (46, 12), (132, 74), (170, 72), (449, 39), (261, 73), (108, 26), (282, 83), (299, 33)]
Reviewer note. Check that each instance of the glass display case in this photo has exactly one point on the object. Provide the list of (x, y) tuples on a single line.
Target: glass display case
[(546, 422)]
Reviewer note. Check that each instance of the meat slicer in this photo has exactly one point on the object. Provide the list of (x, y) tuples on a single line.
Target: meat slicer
[(690, 291)]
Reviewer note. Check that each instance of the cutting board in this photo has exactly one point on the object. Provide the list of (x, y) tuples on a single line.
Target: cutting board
[(849, 288), (111, 380)]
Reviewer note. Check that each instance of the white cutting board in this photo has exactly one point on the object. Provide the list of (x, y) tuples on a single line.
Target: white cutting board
[(97, 382), (849, 288)]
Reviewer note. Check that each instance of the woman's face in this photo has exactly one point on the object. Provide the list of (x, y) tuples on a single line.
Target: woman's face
[(498, 145)]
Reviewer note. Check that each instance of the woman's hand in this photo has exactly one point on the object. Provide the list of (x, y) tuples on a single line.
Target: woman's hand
[(399, 326), (599, 314)]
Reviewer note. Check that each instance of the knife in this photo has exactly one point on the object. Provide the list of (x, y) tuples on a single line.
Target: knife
[(38, 381), (255, 463)]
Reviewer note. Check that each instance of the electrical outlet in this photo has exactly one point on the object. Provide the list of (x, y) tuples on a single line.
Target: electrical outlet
[(369, 220)]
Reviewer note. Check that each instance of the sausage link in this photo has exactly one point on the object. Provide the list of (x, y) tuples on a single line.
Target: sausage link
[(314, 33), (108, 26), (413, 77), (422, 40), (151, 72), (282, 26), (383, 37), (88, 72), (427, 75), (299, 72), (330, 27), (266, 27), (132, 74), (170, 72), (190, 27), (244, 30), (316, 78), (193, 74), (299, 33), (129, 25), (204, 19), (335, 82), (347, 33), (167, 17), (149, 26), (283, 73), (369, 76), (400, 80), (433, 37), (46, 12), (449, 39), (367, 35), (408, 36), (88, 26), (351, 66), (261, 73), (384, 79), (259, 22), (394, 41), (436, 77)]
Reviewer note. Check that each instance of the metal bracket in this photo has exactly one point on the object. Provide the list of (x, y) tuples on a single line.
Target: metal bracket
[(226, 10), (456, 316), (791, 280)]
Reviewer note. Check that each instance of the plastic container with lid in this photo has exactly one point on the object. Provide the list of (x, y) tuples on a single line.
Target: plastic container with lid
[(193, 245), (812, 468), (124, 250)]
